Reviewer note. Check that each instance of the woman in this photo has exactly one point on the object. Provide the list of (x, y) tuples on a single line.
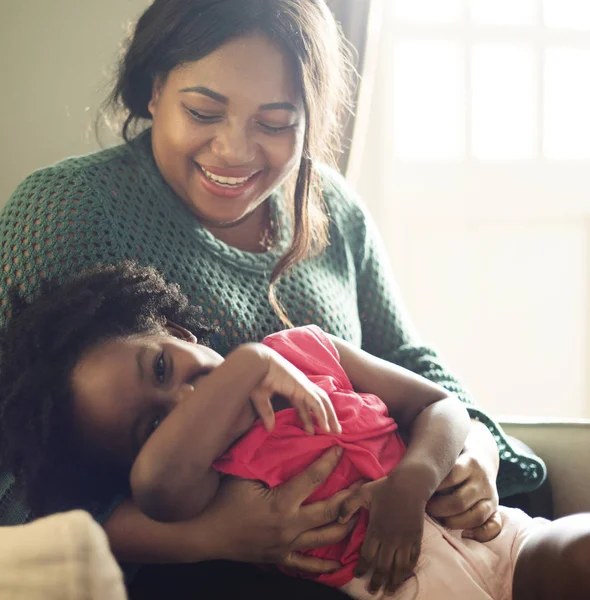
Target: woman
[(224, 194)]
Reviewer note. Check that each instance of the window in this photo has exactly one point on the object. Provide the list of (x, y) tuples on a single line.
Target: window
[(490, 79), (478, 174)]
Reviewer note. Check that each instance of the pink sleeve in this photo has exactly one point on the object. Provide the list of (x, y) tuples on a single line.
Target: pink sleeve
[(310, 350)]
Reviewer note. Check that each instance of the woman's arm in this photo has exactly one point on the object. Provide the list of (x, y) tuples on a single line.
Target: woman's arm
[(388, 333), (472, 484)]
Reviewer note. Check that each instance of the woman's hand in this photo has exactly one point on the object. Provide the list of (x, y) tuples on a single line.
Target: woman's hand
[(467, 498), (251, 523), (282, 378), (246, 522)]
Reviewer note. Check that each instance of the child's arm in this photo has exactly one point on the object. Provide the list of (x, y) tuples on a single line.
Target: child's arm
[(172, 478), (438, 425), (437, 421)]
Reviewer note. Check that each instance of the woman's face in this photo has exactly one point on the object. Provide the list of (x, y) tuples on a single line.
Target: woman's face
[(228, 129), (125, 387)]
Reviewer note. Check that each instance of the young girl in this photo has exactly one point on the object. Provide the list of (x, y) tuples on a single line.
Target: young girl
[(118, 378)]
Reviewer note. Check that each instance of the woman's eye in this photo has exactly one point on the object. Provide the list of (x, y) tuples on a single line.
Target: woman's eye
[(274, 129), (160, 368), (201, 117)]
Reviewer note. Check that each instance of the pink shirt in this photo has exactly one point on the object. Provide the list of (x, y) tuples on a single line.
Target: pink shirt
[(372, 446)]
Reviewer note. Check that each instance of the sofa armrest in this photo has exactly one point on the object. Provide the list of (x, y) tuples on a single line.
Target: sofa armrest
[(564, 445)]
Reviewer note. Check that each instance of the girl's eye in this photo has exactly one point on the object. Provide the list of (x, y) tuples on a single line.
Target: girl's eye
[(154, 425), (201, 117), (160, 368), (272, 129)]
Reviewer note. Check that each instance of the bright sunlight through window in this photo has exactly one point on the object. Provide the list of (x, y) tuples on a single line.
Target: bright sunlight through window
[(496, 80)]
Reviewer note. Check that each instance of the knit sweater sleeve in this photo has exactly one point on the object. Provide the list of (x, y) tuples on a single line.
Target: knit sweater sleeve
[(387, 332), (54, 224)]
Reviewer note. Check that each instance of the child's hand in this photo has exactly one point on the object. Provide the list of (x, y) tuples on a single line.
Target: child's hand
[(286, 380), (391, 548)]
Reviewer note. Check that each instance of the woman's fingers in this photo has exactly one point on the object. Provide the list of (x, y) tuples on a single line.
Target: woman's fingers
[(310, 564), (292, 494), (454, 502), (473, 517), (465, 505), (325, 511), (486, 532), (323, 536), (351, 505), (457, 477)]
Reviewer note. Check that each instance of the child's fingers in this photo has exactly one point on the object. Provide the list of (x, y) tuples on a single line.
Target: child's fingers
[(333, 423), (402, 567), (316, 404), (384, 563), (261, 402), (303, 409), (367, 556)]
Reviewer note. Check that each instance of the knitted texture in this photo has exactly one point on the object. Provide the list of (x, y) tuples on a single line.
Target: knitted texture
[(114, 205)]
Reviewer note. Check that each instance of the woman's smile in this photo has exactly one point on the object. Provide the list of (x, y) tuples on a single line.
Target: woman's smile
[(228, 129), (227, 183)]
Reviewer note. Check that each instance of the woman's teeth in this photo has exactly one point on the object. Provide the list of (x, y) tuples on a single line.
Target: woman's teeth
[(226, 181)]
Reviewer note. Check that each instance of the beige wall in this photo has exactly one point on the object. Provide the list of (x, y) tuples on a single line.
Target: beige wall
[(55, 60)]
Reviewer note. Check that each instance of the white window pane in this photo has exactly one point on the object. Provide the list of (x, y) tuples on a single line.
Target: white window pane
[(567, 102), (437, 11), (428, 102), (503, 102), (503, 12), (567, 14)]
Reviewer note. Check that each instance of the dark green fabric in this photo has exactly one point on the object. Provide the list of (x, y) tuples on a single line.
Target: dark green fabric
[(115, 205)]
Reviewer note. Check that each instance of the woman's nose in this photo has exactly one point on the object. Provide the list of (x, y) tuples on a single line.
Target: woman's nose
[(234, 145)]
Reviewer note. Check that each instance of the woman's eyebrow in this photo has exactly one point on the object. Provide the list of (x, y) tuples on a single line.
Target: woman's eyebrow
[(204, 91)]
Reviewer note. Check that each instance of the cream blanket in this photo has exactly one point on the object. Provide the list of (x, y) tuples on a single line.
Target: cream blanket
[(64, 556)]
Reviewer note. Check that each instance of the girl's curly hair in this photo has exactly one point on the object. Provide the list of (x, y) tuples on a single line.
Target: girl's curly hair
[(39, 347)]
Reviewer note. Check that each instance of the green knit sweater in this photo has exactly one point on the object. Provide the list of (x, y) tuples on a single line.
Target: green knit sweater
[(114, 205)]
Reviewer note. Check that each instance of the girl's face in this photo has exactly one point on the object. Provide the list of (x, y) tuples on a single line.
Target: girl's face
[(125, 387), (228, 129)]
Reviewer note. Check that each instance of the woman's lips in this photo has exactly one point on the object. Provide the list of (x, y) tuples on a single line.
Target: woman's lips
[(229, 171), (227, 185)]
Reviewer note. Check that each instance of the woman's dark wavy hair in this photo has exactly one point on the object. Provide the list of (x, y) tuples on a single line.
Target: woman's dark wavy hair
[(174, 32), (40, 346)]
